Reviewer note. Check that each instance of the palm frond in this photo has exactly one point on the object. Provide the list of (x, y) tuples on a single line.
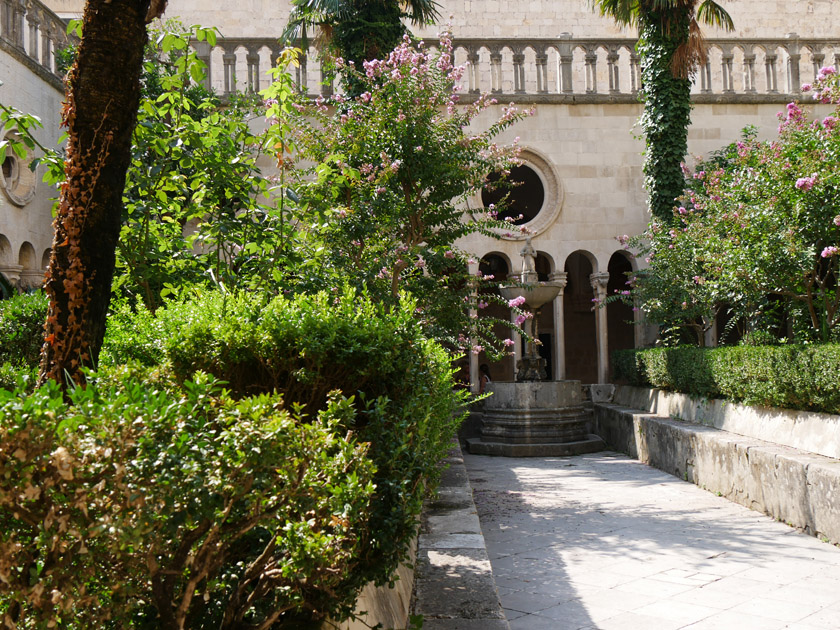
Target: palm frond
[(624, 12), (691, 54), (421, 12), (711, 13)]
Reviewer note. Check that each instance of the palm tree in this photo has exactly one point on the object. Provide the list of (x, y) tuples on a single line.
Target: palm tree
[(671, 48), (359, 30)]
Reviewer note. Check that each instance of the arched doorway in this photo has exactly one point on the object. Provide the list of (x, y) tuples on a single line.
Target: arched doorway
[(579, 318), (497, 265), (620, 316)]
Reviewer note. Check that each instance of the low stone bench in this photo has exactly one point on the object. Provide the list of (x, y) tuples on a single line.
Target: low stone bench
[(791, 485)]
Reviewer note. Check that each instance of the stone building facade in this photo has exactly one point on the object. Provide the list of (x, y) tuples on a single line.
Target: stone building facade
[(582, 148)]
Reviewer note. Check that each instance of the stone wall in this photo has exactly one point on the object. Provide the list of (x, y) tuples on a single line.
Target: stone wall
[(25, 201)]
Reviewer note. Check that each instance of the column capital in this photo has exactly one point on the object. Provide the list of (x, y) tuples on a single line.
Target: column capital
[(560, 277), (599, 281)]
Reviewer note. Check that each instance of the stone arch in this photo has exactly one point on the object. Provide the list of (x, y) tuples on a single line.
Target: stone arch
[(544, 265), (497, 264), (579, 319), (45, 258), (27, 257), (621, 332), (6, 252)]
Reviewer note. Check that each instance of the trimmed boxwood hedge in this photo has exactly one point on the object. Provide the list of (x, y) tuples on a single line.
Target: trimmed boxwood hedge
[(794, 377)]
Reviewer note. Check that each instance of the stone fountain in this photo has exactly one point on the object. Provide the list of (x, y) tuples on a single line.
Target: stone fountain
[(534, 417)]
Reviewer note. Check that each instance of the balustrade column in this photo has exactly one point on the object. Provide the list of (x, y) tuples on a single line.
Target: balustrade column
[(559, 367), (542, 72), (253, 61), (18, 11), (749, 73), (770, 70), (47, 34), (591, 59), (472, 72), (635, 72), (819, 60), (706, 77), (496, 72), (566, 57), (229, 61), (612, 71), (599, 283), (519, 72), (793, 78), (34, 21), (726, 71)]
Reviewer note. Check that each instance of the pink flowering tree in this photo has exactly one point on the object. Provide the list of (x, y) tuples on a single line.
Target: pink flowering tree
[(759, 228), (386, 184)]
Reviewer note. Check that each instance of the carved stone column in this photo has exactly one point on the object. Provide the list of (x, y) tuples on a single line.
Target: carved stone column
[(599, 283), (559, 367), (473, 270), (517, 343)]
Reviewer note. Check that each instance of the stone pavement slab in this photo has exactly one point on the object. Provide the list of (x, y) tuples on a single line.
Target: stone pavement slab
[(602, 541)]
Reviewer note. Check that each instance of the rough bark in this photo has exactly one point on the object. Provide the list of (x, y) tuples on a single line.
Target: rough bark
[(100, 112)]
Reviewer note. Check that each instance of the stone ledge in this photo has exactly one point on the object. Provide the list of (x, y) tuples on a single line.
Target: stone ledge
[(796, 487), (454, 587), (803, 430)]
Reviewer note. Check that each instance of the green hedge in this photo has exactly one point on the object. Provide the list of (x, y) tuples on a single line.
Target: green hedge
[(304, 348), (22, 320), (793, 377)]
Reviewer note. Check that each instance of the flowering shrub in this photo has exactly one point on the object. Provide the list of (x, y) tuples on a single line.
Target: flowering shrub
[(759, 220), (388, 193)]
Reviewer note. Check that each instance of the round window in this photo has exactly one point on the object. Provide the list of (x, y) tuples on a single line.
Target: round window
[(16, 179), (522, 193)]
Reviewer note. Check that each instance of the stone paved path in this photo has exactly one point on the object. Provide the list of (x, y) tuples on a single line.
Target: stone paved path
[(603, 541)]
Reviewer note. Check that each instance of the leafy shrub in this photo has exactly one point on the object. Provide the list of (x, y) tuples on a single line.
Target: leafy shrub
[(133, 505), (304, 348), (789, 376), (22, 320)]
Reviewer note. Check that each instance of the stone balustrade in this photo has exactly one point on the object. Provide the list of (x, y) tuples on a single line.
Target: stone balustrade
[(563, 70), (31, 29)]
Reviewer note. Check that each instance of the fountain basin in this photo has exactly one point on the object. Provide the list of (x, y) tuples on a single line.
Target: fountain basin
[(535, 295), (535, 419)]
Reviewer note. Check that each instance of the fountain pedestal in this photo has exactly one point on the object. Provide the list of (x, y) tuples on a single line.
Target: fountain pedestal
[(535, 419)]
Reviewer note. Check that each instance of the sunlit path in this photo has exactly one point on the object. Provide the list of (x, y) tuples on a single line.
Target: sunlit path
[(602, 541)]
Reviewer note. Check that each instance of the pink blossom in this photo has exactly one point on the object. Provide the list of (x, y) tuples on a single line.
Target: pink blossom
[(449, 254), (508, 342), (837, 220), (806, 183), (830, 251), (520, 319), (516, 302), (481, 304), (365, 97), (477, 348)]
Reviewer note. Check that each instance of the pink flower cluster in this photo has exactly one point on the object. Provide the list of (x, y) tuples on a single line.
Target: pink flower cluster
[(806, 183), (516, 302), (830, 251)]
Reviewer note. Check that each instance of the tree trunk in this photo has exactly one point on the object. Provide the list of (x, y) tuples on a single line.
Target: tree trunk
[(100, 111)]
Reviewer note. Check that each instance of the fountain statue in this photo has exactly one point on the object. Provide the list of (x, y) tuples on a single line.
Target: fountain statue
[(533, 416)]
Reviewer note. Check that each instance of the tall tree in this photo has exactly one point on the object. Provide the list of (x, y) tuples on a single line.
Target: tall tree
[(671, 48), (100, 111), (359, 30)]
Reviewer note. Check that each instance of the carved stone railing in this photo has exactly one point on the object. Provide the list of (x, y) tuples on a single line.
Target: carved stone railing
[(30, 29), (563, 70)]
